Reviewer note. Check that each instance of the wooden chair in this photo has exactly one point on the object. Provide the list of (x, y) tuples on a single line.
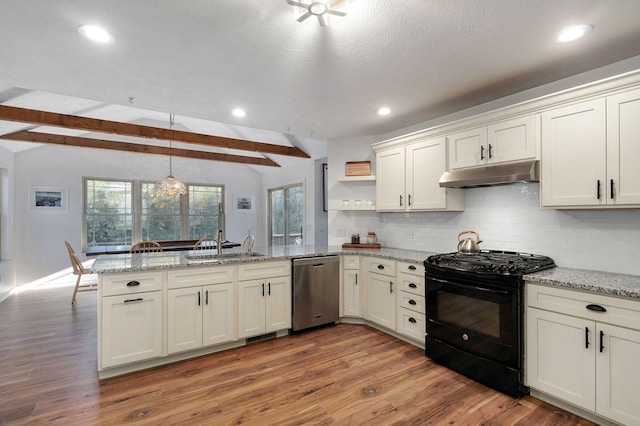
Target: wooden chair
[(205, 244), (145, 247), (78, 270)]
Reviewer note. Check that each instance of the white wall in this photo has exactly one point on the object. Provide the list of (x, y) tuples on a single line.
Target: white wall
[(7, 234), (507, 217), (40, 234)]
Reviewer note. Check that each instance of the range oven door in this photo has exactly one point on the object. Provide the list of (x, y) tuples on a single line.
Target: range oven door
[(476, 316)]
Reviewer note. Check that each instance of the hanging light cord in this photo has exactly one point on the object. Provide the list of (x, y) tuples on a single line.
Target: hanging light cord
[(172, 119)]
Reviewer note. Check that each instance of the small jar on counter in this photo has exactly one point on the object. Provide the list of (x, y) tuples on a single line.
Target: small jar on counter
[(355, 238), (371, 238)]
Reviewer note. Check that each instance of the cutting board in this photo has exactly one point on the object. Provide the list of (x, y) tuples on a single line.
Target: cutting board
[(364, 245)]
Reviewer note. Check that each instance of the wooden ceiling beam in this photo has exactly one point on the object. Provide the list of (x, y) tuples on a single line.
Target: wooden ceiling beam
[(45, 118), (27, 136)]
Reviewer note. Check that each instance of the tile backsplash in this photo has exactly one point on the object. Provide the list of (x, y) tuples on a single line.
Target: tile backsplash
[(509, 218)]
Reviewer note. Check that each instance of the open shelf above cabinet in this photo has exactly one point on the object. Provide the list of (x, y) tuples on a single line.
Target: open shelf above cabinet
[(370, 178)]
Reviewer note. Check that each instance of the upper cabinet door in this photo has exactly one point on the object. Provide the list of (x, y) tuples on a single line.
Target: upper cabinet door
[(390, 184), (623, 148), (468, 148), (573, 164), (426, 162), (512, 140)]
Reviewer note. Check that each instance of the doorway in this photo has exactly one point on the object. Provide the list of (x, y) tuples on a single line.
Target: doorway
[(286, 215)]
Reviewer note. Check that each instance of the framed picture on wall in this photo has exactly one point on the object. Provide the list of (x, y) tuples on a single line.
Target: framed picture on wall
[(48, 198), (243, 203)]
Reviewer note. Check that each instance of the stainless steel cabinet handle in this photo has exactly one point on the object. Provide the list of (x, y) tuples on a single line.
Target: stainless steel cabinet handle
[(586, 337), (206, 297), (482, 152), (401, 197), (390, 286), (490, 151), (409, 199)]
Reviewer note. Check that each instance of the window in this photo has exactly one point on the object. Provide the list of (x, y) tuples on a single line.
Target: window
[(286, 215), (122, 212)]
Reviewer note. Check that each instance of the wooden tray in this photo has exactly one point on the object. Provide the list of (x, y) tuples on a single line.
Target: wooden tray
[(364, 245)]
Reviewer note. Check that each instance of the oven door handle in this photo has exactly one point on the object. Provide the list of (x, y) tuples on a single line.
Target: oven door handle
[(489, 290)]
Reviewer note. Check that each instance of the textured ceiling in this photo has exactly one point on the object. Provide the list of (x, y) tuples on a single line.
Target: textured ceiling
[(199, 59)]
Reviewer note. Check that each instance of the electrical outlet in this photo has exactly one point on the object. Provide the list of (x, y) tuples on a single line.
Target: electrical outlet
[(408, 235), (340, 232)]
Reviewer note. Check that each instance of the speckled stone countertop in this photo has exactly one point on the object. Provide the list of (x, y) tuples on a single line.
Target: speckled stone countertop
[(113, 263), (580, 279), (596, 281)]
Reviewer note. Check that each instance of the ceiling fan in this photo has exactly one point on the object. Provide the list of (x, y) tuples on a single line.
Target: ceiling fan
[(319, 9)]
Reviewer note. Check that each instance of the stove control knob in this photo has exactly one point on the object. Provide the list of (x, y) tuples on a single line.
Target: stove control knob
[(513, 268), (502, 268), (465, 336)]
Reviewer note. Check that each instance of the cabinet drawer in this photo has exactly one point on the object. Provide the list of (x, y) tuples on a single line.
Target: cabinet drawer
[(200, 276), (129, 283), (623, 312), (416, 269), (351, 262), (261, 270), (411, 283), (411, 301), (382, 266), (411, 324)]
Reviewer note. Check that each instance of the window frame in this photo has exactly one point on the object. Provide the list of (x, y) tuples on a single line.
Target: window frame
[(136, 207)]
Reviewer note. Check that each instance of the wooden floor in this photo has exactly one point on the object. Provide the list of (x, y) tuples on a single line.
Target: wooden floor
[(342, 375)]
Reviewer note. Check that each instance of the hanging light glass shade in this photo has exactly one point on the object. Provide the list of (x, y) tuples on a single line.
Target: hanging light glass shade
[(170, 186)]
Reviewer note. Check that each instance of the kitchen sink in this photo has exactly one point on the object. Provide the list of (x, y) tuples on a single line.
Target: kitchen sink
[(208, 257)]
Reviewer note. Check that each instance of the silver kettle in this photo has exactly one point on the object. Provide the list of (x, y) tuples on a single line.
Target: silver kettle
[(469, 245)]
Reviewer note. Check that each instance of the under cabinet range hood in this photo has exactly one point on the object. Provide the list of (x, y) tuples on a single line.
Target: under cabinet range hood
[(527, 171)]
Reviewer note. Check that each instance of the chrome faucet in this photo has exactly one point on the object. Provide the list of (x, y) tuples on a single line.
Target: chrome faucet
[(219, 242)]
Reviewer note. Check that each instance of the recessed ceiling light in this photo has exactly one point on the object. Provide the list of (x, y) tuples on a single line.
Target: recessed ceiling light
[(384, 111), (93, 33), (238, 112), (573, 33)]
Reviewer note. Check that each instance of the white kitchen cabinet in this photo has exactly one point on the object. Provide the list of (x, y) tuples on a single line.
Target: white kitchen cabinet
[(381, 292), (623, 148), (582, 356), (574, 152), (130, 328), (590, 152), (352, 284), (200, 316), (408, 178), (503, 142), (130, 313), (200, 308), (264, 304), (411, 301)]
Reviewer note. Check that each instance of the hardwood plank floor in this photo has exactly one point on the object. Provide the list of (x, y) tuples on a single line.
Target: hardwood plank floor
[(342, 375)]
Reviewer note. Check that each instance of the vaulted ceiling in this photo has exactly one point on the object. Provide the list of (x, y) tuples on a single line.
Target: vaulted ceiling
[(201, 58)]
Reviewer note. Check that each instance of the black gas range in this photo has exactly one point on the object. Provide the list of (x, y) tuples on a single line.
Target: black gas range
[(475, 314)]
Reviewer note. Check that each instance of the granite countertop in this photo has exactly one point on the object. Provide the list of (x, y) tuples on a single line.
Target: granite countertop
[(596, 281), (127, 262), (579, 279)]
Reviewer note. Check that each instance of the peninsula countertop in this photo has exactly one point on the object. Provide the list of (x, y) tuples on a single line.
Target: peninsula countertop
[(596, 281)]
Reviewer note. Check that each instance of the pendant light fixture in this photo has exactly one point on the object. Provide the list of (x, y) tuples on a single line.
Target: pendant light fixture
[(170, 186)]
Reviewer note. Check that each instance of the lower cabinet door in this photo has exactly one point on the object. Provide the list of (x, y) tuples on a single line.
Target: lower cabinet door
[(561, 356), (251, 308), (184, 319), (618, 373), (278, 303), (218, 314), (131, 328), (381, 300), (351, 293)]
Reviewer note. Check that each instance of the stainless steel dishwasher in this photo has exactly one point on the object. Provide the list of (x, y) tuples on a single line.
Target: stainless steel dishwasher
[(316, 284)]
